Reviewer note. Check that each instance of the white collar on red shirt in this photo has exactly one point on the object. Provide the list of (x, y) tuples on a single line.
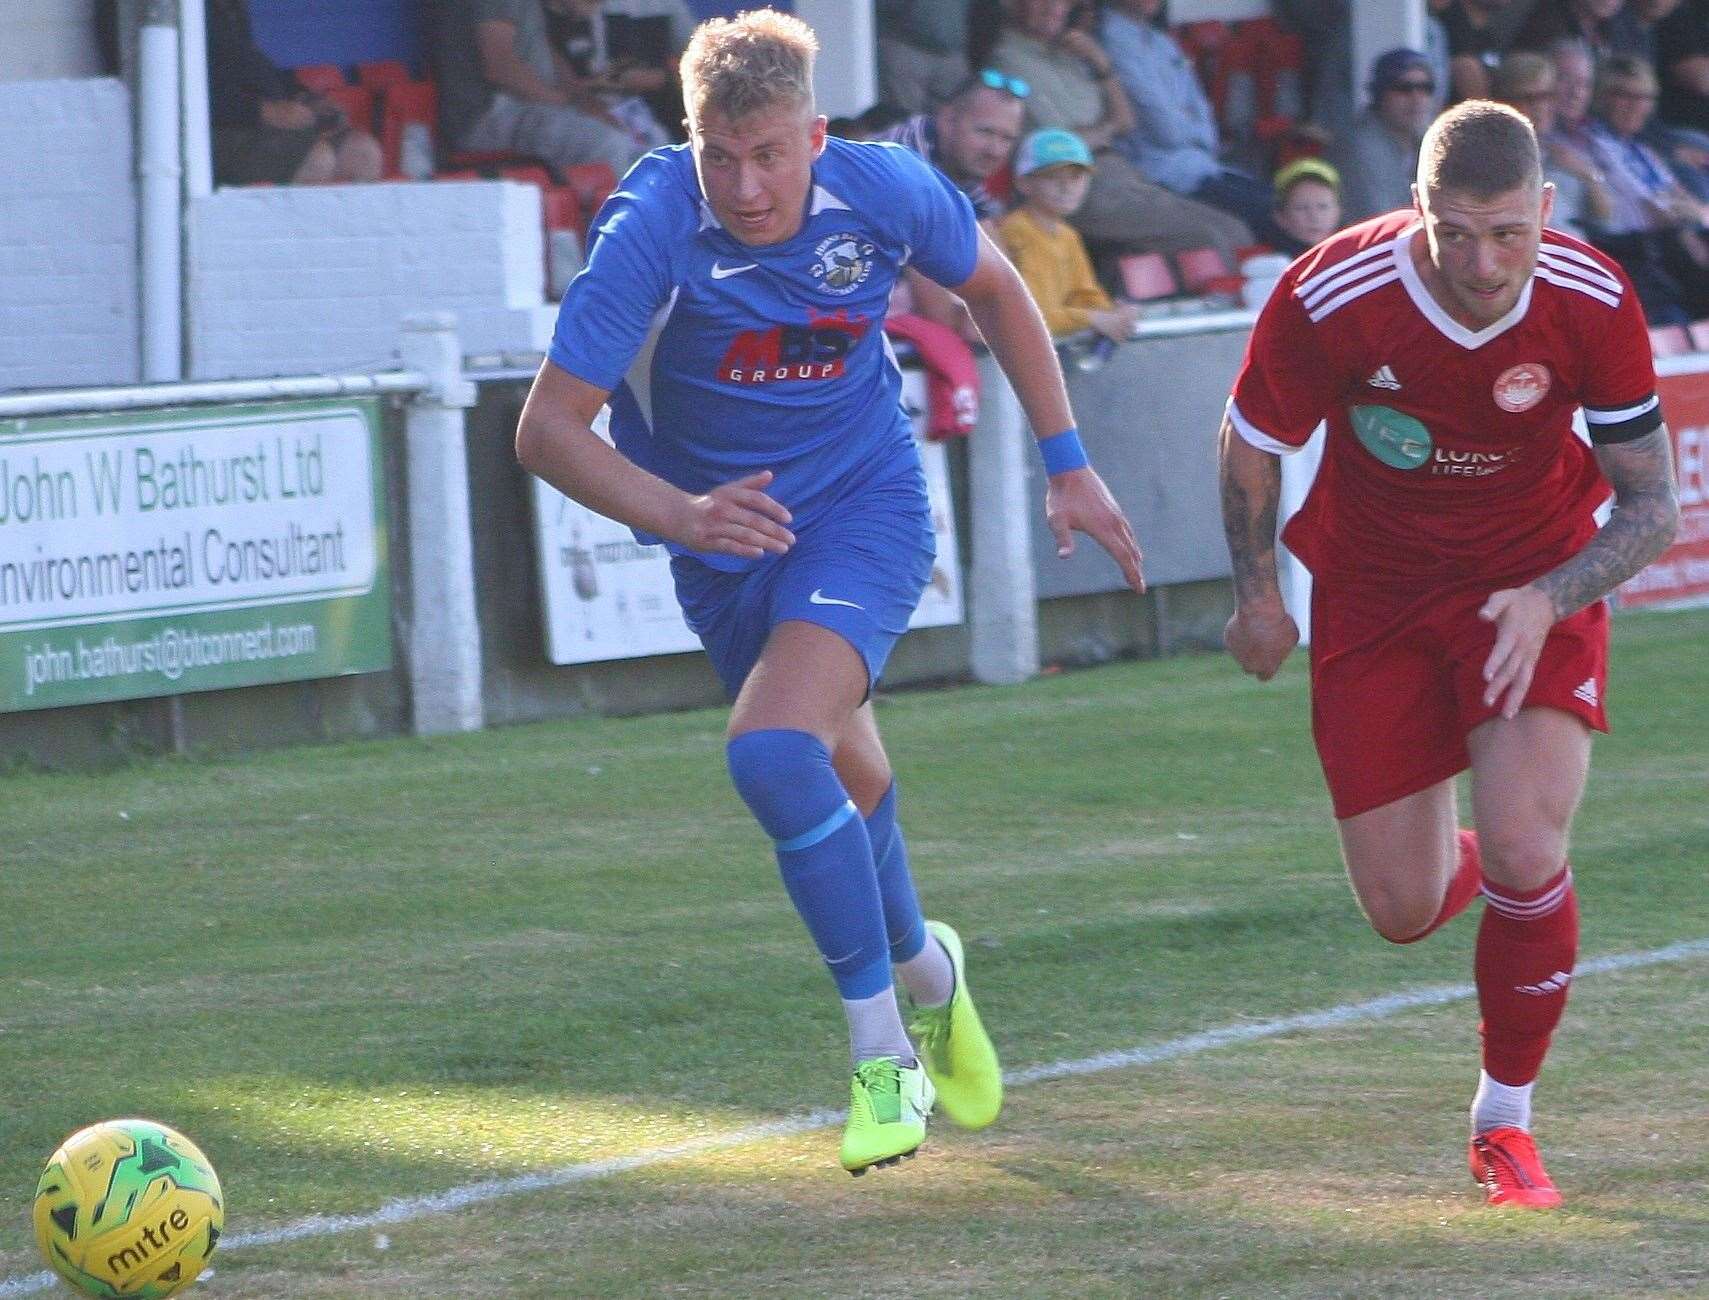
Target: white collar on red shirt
[(1433, 310)]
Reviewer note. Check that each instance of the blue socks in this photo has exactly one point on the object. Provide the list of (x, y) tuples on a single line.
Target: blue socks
[(786, 779), (904, 926)]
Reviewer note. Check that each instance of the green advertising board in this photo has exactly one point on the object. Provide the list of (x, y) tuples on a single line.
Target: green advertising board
[(160, 552)]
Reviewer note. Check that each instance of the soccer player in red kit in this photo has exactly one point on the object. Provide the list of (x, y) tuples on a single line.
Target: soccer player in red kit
[(1457, 613)]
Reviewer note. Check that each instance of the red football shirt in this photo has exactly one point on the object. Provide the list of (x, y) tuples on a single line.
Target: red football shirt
[(1450, 456)]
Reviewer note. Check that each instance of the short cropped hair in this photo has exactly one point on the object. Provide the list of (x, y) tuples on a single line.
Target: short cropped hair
[(735, 66), (1479, 148)]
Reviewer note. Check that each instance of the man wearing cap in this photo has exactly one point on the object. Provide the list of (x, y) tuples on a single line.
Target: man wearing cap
[(1053, 171), (1379, 155), (970, 135), (969, 138)]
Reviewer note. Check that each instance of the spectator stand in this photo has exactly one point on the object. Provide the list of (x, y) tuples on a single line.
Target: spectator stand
[(403, 109), (1253, 73)]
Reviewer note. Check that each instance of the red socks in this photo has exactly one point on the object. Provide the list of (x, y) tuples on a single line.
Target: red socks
[(1527, 944), (1462, 889)]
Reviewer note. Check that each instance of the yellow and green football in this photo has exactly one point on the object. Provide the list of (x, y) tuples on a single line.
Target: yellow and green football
[(129, 1210)]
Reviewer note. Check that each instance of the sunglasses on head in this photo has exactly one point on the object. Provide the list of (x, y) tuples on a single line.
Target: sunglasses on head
[(997, 81)]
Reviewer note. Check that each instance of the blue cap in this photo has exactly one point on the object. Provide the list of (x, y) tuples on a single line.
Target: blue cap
[(1393, 66), (1044, 149)]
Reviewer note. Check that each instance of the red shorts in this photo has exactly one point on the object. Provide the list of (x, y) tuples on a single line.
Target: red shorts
[(1396, 687)]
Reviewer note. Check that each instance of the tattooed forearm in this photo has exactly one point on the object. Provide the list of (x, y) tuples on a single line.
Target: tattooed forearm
[(1646, 514), (1251, 492)]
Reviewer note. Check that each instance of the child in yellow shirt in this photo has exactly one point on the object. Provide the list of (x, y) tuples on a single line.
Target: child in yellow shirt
[(1053, 170)]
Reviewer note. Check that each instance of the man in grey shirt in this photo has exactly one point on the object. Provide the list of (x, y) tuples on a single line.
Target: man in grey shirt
[(1378, 158), (502, 87)]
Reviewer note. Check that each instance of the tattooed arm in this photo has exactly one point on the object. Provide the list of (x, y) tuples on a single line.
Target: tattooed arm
[(1261, 633), (1646, 513)]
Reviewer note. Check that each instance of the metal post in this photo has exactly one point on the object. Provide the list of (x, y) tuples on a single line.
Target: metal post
[(159, 171), (1002, 592), (846, 74), (1378, 28), (445, 633), (193, 68)]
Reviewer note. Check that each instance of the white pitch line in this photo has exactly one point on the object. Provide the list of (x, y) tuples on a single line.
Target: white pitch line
[(457, 1198)]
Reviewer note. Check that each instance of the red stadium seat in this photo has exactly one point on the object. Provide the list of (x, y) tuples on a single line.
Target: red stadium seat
[(528, 174), (1241, 55), (382, 74), (560, 208), (408, 103), (1146, 276), (491, 162), (1201, 41), (1670, 341), (357, 103), (320, 77), (592, 182), (1699, 332), (1280, 54), (1205, 270)]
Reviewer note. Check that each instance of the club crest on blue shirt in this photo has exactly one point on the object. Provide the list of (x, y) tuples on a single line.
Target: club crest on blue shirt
[(844, 261)]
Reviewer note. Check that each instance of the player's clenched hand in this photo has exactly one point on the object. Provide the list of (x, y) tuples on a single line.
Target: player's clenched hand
[(1260, 637), (736, 518), (1522, 618), (1078, 498)]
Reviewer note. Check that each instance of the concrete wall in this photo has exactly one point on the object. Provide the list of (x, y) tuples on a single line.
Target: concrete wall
[(305, 280), (44, 39), (1149, 420), (68, 312)]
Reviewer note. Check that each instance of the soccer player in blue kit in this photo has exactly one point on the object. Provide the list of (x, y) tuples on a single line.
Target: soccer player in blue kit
[(731, 313)]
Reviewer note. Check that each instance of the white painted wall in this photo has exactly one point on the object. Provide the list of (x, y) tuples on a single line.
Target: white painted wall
[(44, 39), (312, 279), (845, 80), (68, 277), (1391, 25)]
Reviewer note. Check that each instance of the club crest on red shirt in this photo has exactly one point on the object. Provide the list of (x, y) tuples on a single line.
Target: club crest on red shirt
[(1519, 388)]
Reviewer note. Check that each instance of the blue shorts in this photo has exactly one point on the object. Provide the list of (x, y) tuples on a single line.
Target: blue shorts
[(859, 572)]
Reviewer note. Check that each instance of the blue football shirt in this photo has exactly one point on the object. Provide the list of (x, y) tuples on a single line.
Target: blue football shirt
[(723, 359)]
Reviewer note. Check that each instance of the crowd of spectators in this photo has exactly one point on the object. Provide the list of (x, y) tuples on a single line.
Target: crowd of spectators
[(963, 81), (1591, 74), (1617, 89)]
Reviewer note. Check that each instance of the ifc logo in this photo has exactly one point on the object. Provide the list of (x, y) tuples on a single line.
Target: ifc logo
[(1392, 436)]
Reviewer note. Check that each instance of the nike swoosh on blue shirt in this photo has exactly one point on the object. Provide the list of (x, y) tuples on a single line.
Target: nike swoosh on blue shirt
[(722, 272)]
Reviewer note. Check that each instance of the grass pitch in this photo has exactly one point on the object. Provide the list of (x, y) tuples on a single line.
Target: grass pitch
[(368, 972)]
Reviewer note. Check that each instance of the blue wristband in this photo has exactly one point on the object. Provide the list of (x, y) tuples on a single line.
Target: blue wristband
[(1063, 452)]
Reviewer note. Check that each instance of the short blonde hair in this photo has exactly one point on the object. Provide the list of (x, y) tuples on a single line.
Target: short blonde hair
[(735, 66)]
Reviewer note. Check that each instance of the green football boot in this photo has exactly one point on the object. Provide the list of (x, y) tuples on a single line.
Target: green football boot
[(955, 1048), (889, 1104)]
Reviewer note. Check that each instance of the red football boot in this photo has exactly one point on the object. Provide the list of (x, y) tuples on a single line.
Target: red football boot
[(1506, 1165)]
